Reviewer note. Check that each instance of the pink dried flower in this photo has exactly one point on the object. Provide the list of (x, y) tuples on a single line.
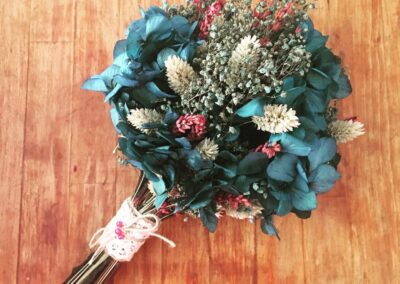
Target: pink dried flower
[(289, 8), (164, 209), (211, 11), (298, 30), (234, 201), (276, 27), (264, 41), (216, 7), (183, 123), (192, 125), (269, 149), (261, 15), (199, 4), (280, 14)]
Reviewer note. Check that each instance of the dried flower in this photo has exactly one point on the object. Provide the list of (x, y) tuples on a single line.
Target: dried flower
[(139, 117), (247, 50), (238, 207), (248, 213), (192, 125), (211, 11), (208, 149), (270, 149), (277, 119), (345, 130), (244, 60), (179, 74)]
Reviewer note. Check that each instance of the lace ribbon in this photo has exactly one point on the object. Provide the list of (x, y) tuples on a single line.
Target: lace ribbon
[(125, 233)]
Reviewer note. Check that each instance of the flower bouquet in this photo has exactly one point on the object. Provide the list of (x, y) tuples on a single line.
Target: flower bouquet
[(227, 109)]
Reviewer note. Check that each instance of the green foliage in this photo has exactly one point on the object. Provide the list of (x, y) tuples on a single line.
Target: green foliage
[(253, 163), (253, 108), (283, 168), (268, 227), (209, 219)]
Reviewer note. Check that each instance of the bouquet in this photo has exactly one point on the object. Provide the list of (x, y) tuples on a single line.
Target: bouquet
[(228, 109)]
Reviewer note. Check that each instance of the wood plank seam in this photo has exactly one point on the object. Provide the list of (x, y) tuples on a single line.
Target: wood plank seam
[(23, 145)]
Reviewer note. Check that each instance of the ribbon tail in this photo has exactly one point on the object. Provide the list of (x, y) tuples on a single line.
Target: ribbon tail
[(168, 241)]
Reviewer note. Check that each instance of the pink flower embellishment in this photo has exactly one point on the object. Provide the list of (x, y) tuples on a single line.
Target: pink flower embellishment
[(119, 231), (269, 149), (194, 126)]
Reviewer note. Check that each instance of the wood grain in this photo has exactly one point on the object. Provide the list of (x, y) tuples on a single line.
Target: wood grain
[(46, 168), (13, 84), (59, 180)]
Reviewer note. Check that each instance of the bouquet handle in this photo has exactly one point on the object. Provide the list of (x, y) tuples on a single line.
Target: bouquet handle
[(135, 221), (97, 272)]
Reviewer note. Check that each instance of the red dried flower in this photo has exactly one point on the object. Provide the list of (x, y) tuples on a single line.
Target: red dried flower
[(276, 27), (264, 41), (215, 7), (237, 200), (199, 4), (164, 209), (192, 125), (269, 149), (280, 14), (234, 201), (289, 8), (211, 11), (262, 15)]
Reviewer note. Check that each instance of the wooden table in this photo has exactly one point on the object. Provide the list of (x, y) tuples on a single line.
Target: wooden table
[(59, 181)]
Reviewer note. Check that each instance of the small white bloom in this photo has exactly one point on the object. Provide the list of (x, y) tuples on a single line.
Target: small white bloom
[(179, 73), (208, 149), (345, 130), (277, 119), (139, 117)]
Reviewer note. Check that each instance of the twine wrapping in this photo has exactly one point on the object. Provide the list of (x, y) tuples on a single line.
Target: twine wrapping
[(127, 231)]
